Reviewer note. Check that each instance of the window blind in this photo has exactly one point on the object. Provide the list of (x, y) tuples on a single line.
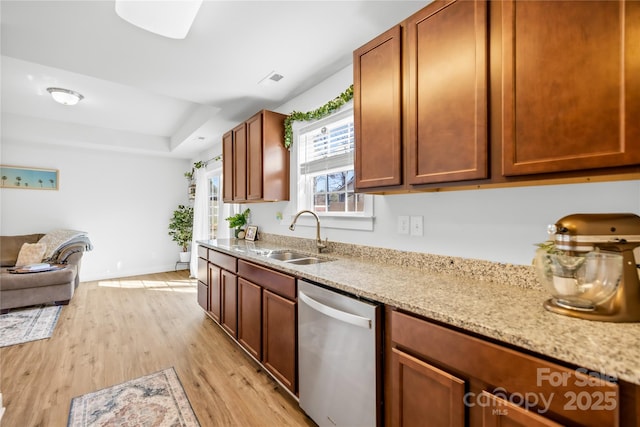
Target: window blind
[(329, 147)]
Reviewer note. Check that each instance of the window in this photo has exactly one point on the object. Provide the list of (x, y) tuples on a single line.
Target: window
[(326, 175), (214, 205)]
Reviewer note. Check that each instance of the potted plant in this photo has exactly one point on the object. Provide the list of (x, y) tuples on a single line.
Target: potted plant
[(181, 230), (189, 176), (237, 221)]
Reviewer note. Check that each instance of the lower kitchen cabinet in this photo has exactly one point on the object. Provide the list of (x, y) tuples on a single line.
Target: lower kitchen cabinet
[(203, 278), (229, 300), (434, 374), (438, 376), (412, 380), (279, 338), (273, 321), (258, 307), (222, 290), (203, 295), (250, 317), (215, 306), (267, 330), (499, 412)]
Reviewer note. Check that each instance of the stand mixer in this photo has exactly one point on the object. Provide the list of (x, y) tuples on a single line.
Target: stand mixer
[(585, 235)]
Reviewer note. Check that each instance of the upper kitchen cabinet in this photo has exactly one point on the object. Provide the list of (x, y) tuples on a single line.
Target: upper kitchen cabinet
[(255, 161), (420, 92), (478, 94), (234, 164), (446, 80), (377, 99), (227, 167), (570, 85)]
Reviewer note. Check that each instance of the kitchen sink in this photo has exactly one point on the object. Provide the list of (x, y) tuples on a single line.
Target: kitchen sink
[(287, 255), (307, 261), (298, 258)]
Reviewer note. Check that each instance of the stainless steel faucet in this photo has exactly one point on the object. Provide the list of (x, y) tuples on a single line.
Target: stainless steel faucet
[(319, 245)]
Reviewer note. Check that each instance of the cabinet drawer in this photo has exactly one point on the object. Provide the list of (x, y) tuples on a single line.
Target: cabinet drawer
[(515, 373), (223, 260), (203, 252), (278, 283)]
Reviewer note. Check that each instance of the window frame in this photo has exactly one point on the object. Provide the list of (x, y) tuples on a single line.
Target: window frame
[(342, 220)]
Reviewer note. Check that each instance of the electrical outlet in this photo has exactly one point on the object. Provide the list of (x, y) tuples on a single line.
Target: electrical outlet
[(416, 226), (403, 224)]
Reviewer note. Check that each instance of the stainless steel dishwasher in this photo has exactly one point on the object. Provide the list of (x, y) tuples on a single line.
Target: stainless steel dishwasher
[(338, 357)]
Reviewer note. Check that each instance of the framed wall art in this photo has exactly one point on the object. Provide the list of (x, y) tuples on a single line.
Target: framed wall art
[(252, 231), (28, 178)]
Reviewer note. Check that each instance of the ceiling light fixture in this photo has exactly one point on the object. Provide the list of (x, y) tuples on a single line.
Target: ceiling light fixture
[(65, 96), (168, 18)]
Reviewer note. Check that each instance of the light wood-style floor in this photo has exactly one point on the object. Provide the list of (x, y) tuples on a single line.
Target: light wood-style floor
[(117, 330)]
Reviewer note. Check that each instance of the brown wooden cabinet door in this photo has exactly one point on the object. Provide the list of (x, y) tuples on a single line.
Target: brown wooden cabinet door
[(239, 163), (214, 292), (254, 157), (250, 317), (227, 167), (203, 295), (446, 74), (203, 270), (279, 338), (423, 395), (203, 283), (377, 87), (275, 157), (229, 300), (570, 85), (498, 412)]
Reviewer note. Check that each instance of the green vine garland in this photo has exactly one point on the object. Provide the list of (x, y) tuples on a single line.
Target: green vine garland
[(316, 114)]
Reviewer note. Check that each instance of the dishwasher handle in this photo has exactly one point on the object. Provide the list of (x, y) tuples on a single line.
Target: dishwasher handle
[(342, 316)]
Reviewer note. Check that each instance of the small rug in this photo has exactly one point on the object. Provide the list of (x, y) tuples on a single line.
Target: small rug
[(155, 400), (30, 324)]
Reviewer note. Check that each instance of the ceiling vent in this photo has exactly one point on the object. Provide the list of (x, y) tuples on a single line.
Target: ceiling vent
[(271, 78)]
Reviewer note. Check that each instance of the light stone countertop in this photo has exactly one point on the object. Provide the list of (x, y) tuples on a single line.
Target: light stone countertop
[(507, 312)]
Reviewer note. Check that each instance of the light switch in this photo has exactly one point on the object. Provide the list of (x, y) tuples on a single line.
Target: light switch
[(403, 224), (416, 226)]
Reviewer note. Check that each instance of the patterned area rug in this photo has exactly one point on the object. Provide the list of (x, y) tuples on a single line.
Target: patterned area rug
[(30, 324), (155, 400)]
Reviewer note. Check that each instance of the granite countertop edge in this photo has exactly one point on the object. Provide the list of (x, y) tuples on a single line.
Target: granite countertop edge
[(503, 312)]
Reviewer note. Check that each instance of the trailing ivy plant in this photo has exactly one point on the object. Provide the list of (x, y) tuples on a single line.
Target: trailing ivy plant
[(196, 165), (316, 114)]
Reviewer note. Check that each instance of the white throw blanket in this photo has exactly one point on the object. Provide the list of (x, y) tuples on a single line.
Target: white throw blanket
[(55, 239)]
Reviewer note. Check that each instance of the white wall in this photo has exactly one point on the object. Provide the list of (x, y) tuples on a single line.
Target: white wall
[(497, 224), (124, 201)]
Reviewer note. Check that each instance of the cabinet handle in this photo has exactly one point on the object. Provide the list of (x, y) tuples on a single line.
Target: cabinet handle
[(342, 316)]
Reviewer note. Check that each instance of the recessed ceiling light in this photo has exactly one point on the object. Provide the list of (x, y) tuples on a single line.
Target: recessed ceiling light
[(271, 78), (65, 96), (169, 18)]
